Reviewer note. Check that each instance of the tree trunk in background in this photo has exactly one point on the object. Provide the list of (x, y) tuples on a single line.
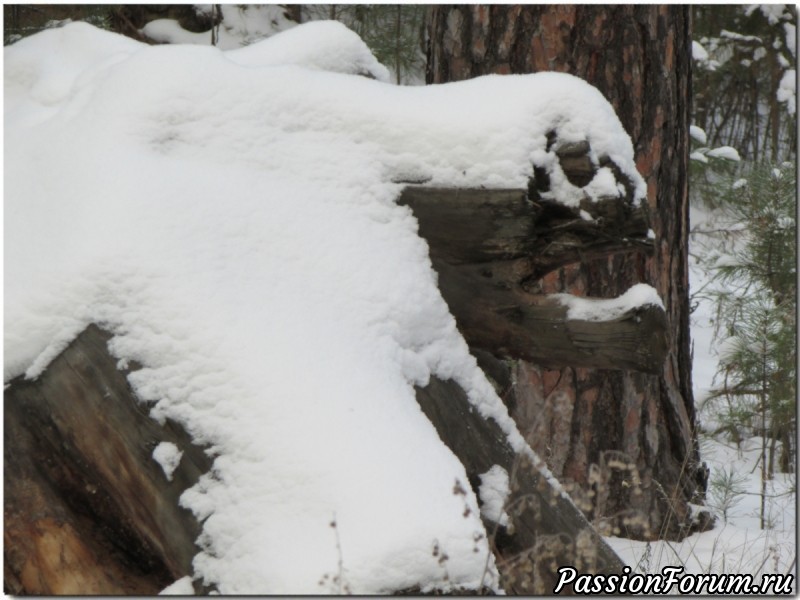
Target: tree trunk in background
[(590, 425)]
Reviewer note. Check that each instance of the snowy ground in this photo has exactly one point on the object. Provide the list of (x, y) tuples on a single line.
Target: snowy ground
[(736, 544)]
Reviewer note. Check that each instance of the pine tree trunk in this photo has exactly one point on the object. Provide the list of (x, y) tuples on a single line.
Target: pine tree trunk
[(593, 425)]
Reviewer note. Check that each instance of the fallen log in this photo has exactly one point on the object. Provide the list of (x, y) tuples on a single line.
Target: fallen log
[(89, 511)]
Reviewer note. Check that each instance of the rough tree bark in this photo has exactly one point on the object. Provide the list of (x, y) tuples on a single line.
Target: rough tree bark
[(592, 425)]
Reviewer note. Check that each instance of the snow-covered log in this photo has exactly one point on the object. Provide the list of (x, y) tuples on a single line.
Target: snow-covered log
[(88, 508)]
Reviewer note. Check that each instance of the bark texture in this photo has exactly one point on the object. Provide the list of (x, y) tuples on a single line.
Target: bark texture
[(592, 425)]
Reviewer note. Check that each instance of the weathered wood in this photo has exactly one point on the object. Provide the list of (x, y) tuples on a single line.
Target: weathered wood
[(515, 324), (485, 244), (87, 509), (575, 162), (547, 530), (475, 226)]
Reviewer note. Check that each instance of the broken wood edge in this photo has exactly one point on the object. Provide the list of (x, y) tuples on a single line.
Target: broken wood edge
[(576, 161), (87, 509), (476, 226), (512, 323)]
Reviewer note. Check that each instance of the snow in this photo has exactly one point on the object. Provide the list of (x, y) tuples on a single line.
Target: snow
[(230, 217), (604, 185), (168, 31), (726, 260), (638, 296), (726, 152), (698, 156), (241, 25), (787, 90), (738, 37), (728, 347), (702, 56), (181, 587), (739, 183), (494, 491), (736, 544), (168, 456), (323, 45), (791, 37), (698, 134), (716, 250), (699, 52), (773, 12)]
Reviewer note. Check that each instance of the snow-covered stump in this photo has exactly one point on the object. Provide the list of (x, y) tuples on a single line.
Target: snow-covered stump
[(645, 76), (88, 510), (282, 304)]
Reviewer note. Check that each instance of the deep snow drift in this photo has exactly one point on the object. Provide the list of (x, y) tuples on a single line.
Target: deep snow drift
[(230, 217)]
